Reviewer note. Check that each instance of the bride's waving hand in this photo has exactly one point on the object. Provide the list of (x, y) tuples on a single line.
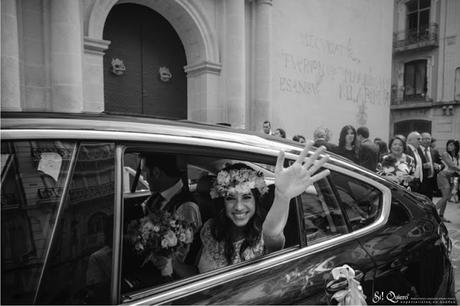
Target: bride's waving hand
[(289, 183)]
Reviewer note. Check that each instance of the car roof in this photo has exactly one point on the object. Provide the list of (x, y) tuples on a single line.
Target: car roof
[(151, 125), (43, 117), (140, 124)]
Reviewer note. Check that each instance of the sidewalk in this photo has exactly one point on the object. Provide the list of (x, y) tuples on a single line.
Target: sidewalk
[(452, 214)]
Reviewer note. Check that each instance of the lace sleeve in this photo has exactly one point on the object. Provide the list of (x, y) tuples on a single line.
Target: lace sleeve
[(211, 255)]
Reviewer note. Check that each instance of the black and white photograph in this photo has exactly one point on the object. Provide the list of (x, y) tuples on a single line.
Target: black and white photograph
[(230, 152)]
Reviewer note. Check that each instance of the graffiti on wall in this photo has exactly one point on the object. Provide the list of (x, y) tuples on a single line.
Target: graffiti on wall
[(331, 48), (305, 75)]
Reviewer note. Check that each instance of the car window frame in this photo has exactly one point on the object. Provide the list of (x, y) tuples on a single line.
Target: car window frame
[(170, 292), (365, 180), (205, 151), (339, 204)]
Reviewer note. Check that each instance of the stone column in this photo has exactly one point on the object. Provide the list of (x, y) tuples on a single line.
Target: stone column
[(66, 56), (93, 71), (261, 106), (202, 92), (235, 62), (11, 86)]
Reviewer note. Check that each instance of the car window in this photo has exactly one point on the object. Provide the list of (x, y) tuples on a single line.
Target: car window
[(79, 267), (33, 176), (143, 262), (322, 216), (361, 201), (130, 169)]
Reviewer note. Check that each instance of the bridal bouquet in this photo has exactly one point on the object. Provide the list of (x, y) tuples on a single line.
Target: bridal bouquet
[(160, 234)]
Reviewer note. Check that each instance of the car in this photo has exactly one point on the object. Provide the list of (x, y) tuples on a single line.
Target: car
[(68, 180)]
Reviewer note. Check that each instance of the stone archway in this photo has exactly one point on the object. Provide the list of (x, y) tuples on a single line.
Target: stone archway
[(150, 79), (200, 44)]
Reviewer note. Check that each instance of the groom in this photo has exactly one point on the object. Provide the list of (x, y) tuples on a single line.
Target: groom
[(168, 194)]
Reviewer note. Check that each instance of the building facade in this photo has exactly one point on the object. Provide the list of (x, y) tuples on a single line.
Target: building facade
[(300, 64), (426, 69)]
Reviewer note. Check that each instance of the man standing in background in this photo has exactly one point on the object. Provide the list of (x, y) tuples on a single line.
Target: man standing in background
[(436, 156), (267, 127), (429, 167), (413, 149), (368, 155)]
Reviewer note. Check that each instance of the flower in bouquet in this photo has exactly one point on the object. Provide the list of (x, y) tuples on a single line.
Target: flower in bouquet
[(160, 234)]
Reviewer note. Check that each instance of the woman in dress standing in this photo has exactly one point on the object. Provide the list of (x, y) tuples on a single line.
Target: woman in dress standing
[(397, 166), (347, 143), (450, 159)]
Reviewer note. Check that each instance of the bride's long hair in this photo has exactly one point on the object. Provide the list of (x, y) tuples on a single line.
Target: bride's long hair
[(222, 229)]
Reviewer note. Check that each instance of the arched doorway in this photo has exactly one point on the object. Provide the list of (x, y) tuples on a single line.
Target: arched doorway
[(143, 42)]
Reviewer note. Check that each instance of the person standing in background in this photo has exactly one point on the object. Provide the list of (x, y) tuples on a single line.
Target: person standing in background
[(321, 138), (450, 159), (368, 152), (347, 143), (436, 160), (299, 138), (413, 149), (397, 166), (383, 149), (267, 127), (400, 136), (429, 167), (279, 132)]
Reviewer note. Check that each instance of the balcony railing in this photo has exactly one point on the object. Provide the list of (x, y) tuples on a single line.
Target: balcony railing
[(410, 40)]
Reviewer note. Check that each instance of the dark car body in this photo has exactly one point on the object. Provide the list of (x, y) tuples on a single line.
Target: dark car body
[(66, 188)]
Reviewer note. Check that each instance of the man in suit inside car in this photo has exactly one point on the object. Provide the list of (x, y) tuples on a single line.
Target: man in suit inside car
[(168, 194)]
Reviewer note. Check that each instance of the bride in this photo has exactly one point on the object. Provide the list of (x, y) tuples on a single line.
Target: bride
[(239, 232)]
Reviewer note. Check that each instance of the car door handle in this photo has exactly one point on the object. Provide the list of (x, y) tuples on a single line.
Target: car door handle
[(335, 285)]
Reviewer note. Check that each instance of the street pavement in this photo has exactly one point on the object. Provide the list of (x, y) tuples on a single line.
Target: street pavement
[(452, 214)]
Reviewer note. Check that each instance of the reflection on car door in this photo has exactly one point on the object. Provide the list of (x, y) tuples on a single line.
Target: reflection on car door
[(33, 179)]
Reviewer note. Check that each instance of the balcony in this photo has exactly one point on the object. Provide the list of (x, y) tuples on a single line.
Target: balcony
[(413, 40)]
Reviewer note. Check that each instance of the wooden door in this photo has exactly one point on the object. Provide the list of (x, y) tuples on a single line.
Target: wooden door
[(144, 41)]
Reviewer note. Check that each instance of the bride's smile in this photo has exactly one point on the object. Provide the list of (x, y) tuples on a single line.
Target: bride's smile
[(240, 207)]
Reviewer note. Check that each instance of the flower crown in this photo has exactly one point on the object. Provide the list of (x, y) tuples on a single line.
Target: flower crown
[(234, 180)]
